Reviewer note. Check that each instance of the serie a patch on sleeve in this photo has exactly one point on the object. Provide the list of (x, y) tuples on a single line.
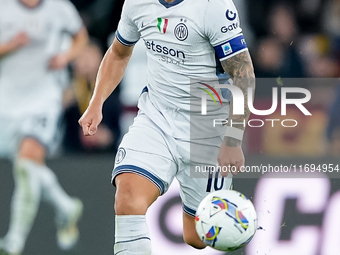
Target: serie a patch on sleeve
[(231, 47)]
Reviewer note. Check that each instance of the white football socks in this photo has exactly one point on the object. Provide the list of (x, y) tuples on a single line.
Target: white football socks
[(54, 194), (25, 203), (33, 181), (132, 235)]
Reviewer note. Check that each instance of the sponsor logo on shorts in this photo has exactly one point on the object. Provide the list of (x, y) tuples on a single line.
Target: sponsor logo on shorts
[(120, 155)]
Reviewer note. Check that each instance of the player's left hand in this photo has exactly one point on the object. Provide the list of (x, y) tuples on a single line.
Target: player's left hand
[(230, 157), (59, 62)]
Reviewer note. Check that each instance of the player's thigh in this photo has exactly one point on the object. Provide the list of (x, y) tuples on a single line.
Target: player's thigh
[(197, 175), (31, 148), (144, 167), (37, 135), (194, 190)]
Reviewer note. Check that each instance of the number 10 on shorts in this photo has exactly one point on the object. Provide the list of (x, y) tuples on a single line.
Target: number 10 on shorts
[(216, 179)]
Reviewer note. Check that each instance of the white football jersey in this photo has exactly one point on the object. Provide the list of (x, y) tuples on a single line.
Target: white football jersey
[(26, 82), (184, 40)]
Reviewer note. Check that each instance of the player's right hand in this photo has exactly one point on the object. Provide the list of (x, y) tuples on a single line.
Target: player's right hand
[(91, 119), (19, 40), (230, 156)]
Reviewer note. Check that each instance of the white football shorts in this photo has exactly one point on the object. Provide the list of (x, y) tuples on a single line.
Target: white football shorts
[(149, 152), (42, 126)]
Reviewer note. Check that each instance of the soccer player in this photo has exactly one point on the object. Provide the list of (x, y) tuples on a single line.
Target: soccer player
[(32, 64), (184, 40)]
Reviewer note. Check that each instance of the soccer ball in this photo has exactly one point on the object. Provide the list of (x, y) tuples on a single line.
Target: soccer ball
[(226, 220)]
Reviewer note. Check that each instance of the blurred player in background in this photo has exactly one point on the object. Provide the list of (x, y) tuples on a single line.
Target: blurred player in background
[(32, 66), (181, 39)]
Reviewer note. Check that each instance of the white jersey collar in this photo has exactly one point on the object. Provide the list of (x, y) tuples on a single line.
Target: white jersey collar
[(168, 5)]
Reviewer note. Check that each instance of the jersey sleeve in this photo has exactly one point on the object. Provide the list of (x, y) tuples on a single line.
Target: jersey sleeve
[(127, 31), (71, 18), (222, 28)]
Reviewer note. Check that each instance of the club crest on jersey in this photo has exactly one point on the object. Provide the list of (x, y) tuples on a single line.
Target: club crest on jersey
[(120, 155), (181, 32), (162, 25)]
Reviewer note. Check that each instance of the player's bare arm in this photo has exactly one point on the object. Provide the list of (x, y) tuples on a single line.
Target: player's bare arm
[(240, 69), (109, 75), (19, 40), (79, 42)]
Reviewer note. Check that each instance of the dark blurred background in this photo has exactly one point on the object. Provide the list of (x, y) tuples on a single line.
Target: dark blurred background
[(287, 39), (292, 43)]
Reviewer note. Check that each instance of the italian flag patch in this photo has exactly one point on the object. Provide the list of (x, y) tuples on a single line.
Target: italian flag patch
[(162, 25)]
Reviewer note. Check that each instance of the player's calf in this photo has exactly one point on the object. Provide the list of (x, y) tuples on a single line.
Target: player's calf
[(134, 194), (189, 232), (25, 202)]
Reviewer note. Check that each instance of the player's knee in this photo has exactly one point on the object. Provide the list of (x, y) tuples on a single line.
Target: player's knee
[(194, 241), (134, 194), (33, 150), (127, 202)]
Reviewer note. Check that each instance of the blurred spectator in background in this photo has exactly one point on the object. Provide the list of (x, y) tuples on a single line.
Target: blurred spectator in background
[(306, 12), (276, 54), (100, 17), (299, 39), (289, 39), (282, 23), (241, 6), (76, 100), (331, 21), (269, 58), (333, 129), (32, 63)]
